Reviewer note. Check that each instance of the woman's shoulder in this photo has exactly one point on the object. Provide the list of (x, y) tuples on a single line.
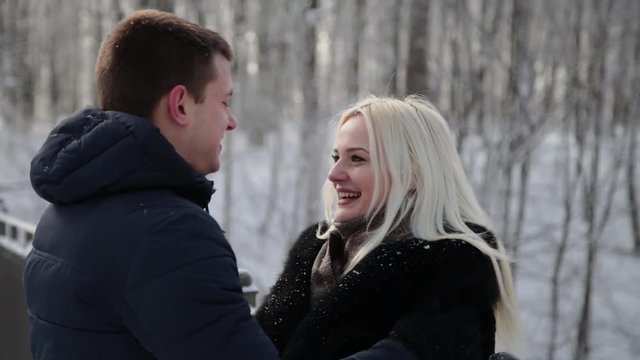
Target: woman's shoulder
[(456, 244), (429, 253), (416, 246), (445, 266)]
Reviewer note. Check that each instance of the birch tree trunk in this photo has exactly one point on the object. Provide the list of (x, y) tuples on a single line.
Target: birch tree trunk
[(17, 63), (632, 158), (379, 48), (571, 178), (632, 180), (519, 82), (43, 106), (342, 87), (275, 80), (417, 67), (310, 178), (87, 53), (572, 171), (591, 191), (164, 5)]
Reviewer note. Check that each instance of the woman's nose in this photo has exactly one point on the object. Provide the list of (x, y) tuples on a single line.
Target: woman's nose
[(337, 173)]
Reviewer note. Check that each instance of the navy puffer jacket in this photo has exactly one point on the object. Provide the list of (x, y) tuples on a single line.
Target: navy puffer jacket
[(126, 263)]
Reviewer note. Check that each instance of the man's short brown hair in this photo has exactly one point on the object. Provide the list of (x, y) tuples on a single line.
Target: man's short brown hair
[(150, 52)]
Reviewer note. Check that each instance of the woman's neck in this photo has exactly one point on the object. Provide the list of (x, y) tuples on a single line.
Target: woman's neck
[(358, 226)]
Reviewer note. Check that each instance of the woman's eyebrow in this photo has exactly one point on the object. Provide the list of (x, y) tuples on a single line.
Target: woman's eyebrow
[(352, 149)]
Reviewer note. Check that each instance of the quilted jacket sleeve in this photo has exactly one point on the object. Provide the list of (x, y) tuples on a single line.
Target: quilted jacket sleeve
[(184, 299)]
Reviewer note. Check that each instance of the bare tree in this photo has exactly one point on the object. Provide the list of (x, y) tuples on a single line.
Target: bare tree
[(87, 52), (17, 63), (572, 171), (378, 48), (341, 73), (593, 200), (632, 179), (488, 26), (274, 83), (633, 107), (462, 97), (165, 5), (310, 178), (417, 68), (519, 87), (492, 19), (43, 103), (537, 102), (236, 10)]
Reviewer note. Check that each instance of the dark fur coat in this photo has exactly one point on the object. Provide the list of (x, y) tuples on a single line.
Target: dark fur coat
[(395, 280)]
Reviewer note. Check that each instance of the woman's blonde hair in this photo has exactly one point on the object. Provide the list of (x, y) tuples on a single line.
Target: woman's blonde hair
[(417, 166)]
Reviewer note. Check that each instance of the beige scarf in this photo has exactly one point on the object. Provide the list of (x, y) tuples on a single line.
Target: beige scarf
[(337, 252)]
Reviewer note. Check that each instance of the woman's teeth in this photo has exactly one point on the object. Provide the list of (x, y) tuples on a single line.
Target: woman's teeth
[(344, 195)]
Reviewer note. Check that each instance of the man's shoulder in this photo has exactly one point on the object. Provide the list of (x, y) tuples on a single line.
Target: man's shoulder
[(168, 214), (140, 218), (156, 206)]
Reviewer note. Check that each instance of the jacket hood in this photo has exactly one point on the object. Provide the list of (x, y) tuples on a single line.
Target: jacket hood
[(94, 153)]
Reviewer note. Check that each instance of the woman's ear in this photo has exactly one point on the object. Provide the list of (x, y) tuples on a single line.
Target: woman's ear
[(177, 99)]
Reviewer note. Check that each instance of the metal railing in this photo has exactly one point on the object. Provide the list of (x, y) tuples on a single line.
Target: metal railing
[(15, 243), (16, 235)]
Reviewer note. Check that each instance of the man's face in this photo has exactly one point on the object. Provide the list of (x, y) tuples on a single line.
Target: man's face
[(210, 119)]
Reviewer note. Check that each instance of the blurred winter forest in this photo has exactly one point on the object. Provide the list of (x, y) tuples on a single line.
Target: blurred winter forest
[(543, 96)]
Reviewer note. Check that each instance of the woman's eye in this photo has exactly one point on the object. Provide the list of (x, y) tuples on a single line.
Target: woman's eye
[(356, 158), (335, 158)]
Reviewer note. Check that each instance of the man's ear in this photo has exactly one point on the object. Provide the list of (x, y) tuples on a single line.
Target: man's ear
[(177, 100)]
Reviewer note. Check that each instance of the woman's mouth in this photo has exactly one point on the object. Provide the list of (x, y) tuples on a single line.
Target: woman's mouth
[(346, 197)]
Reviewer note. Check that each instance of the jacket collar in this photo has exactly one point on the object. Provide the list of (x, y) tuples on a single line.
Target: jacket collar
[(95, 153)]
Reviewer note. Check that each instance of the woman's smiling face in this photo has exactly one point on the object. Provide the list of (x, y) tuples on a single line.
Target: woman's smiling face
[(352, 174)]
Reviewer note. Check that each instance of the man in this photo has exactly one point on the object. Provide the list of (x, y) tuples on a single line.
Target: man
[(126, 261)]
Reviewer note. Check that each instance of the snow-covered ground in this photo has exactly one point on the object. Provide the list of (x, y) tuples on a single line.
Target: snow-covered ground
[(261, 249)]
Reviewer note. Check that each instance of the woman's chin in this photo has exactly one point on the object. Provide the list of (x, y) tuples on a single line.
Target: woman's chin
[(346, 216)]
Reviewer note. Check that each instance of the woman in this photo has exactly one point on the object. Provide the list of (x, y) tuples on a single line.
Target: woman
[(406, 251)]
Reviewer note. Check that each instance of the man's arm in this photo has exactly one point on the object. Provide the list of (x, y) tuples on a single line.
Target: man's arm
[(184, 298)]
